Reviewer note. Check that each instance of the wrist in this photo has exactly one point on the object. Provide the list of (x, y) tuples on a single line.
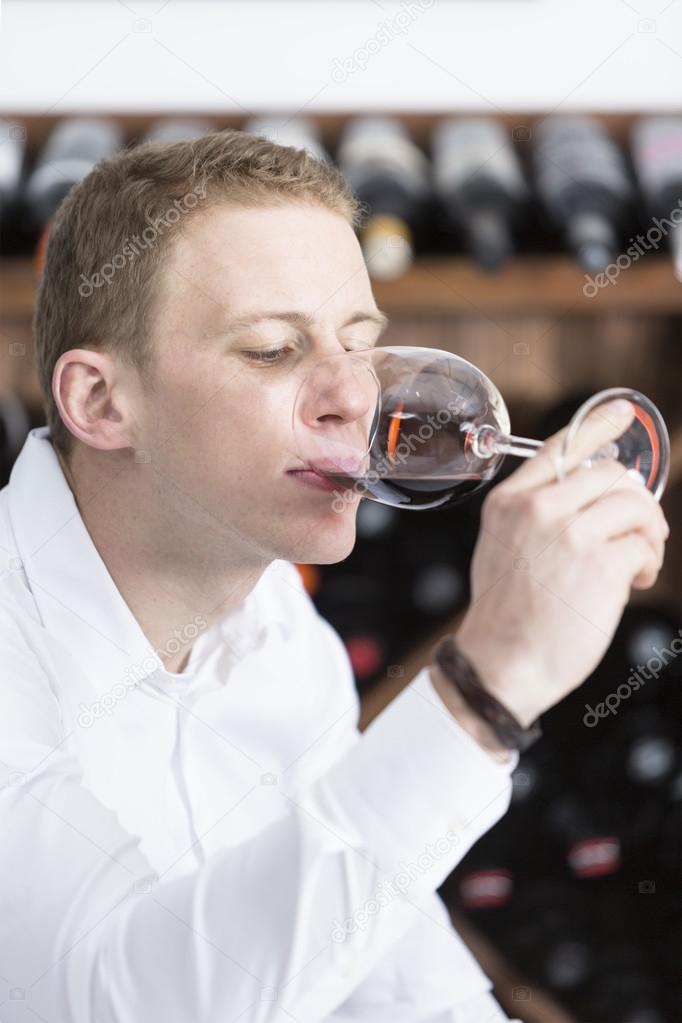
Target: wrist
[(504, 677), (474, 725)]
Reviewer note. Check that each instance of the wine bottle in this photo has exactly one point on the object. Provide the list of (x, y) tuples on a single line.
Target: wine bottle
[(391, 175), (73, 148), (171, 129), (12, 155), (479, 185), (356, 605), (298, 132), (590, 850), (15, 423), (656, 146), (582, 180)]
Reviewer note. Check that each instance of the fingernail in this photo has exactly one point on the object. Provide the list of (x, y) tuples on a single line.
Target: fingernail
[(634, 474), (621, 407)]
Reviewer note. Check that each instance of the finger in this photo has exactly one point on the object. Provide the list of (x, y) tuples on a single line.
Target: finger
[(585, 486), (616, 515), (605, 423), (635, 560)]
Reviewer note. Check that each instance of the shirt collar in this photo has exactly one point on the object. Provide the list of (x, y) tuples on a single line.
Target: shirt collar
[(76, 597)]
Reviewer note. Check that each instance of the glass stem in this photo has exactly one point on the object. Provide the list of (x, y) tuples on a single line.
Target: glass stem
[(487, 442)]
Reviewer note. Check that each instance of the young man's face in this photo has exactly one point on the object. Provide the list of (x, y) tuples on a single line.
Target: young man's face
[(218, 422)]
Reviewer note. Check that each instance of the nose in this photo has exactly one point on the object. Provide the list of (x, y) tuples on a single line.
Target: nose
[(335, 409), (340, 389)]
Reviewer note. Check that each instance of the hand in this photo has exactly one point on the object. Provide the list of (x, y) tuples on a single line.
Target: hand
[(553, 568)]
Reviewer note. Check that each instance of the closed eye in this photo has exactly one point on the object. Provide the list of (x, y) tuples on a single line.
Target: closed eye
[(269, 356), (272, 356)]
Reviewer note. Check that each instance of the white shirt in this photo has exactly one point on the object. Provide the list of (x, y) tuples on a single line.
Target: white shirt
[(220, 844)]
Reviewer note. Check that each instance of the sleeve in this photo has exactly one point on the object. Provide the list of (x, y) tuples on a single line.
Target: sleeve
[(264, 931)]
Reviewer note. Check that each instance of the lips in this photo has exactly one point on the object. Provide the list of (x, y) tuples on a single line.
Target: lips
[(312, 478), (325, 467)]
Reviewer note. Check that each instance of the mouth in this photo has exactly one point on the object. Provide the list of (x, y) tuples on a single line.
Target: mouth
[(311, 476)]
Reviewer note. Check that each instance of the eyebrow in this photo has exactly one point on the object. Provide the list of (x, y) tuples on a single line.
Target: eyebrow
[(300, 319)]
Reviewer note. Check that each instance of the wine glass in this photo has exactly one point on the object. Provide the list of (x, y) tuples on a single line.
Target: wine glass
[(424, 428)]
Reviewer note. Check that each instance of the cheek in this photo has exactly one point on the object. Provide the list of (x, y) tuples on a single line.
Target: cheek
[(243, 419)]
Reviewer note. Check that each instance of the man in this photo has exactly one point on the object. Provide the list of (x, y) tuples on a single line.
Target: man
[(194, 828)]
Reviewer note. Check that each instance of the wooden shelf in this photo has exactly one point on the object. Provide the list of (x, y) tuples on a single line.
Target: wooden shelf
[(517, 995), (442, 285), (18, 282), (531, 284)]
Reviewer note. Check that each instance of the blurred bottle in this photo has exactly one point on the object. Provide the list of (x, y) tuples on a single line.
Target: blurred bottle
[(623, 991), (311, 577), (375, 521), (541, 926), (668, 957), (389, 173), (583, 183), (357, 606), (669, 843), (72, 150), (298, 132), (657, 156), (15, 423), (555, 940), (170, 129), (633, 762), (12, 156), (489, 886), (649, 752), (591, 849), (483, 885), (480, 186)]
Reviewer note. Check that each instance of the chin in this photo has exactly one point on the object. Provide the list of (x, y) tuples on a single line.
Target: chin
[(326, 542)]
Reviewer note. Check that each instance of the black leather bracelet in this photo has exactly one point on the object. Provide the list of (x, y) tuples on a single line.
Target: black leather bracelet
[(462, 674)]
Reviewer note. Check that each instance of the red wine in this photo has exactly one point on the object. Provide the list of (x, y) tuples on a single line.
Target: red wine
[(414, 491)]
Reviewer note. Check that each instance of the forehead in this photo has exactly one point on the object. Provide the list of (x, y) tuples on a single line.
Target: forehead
[(230, 260)]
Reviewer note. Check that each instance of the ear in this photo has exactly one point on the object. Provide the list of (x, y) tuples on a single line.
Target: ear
[(89, 390)]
